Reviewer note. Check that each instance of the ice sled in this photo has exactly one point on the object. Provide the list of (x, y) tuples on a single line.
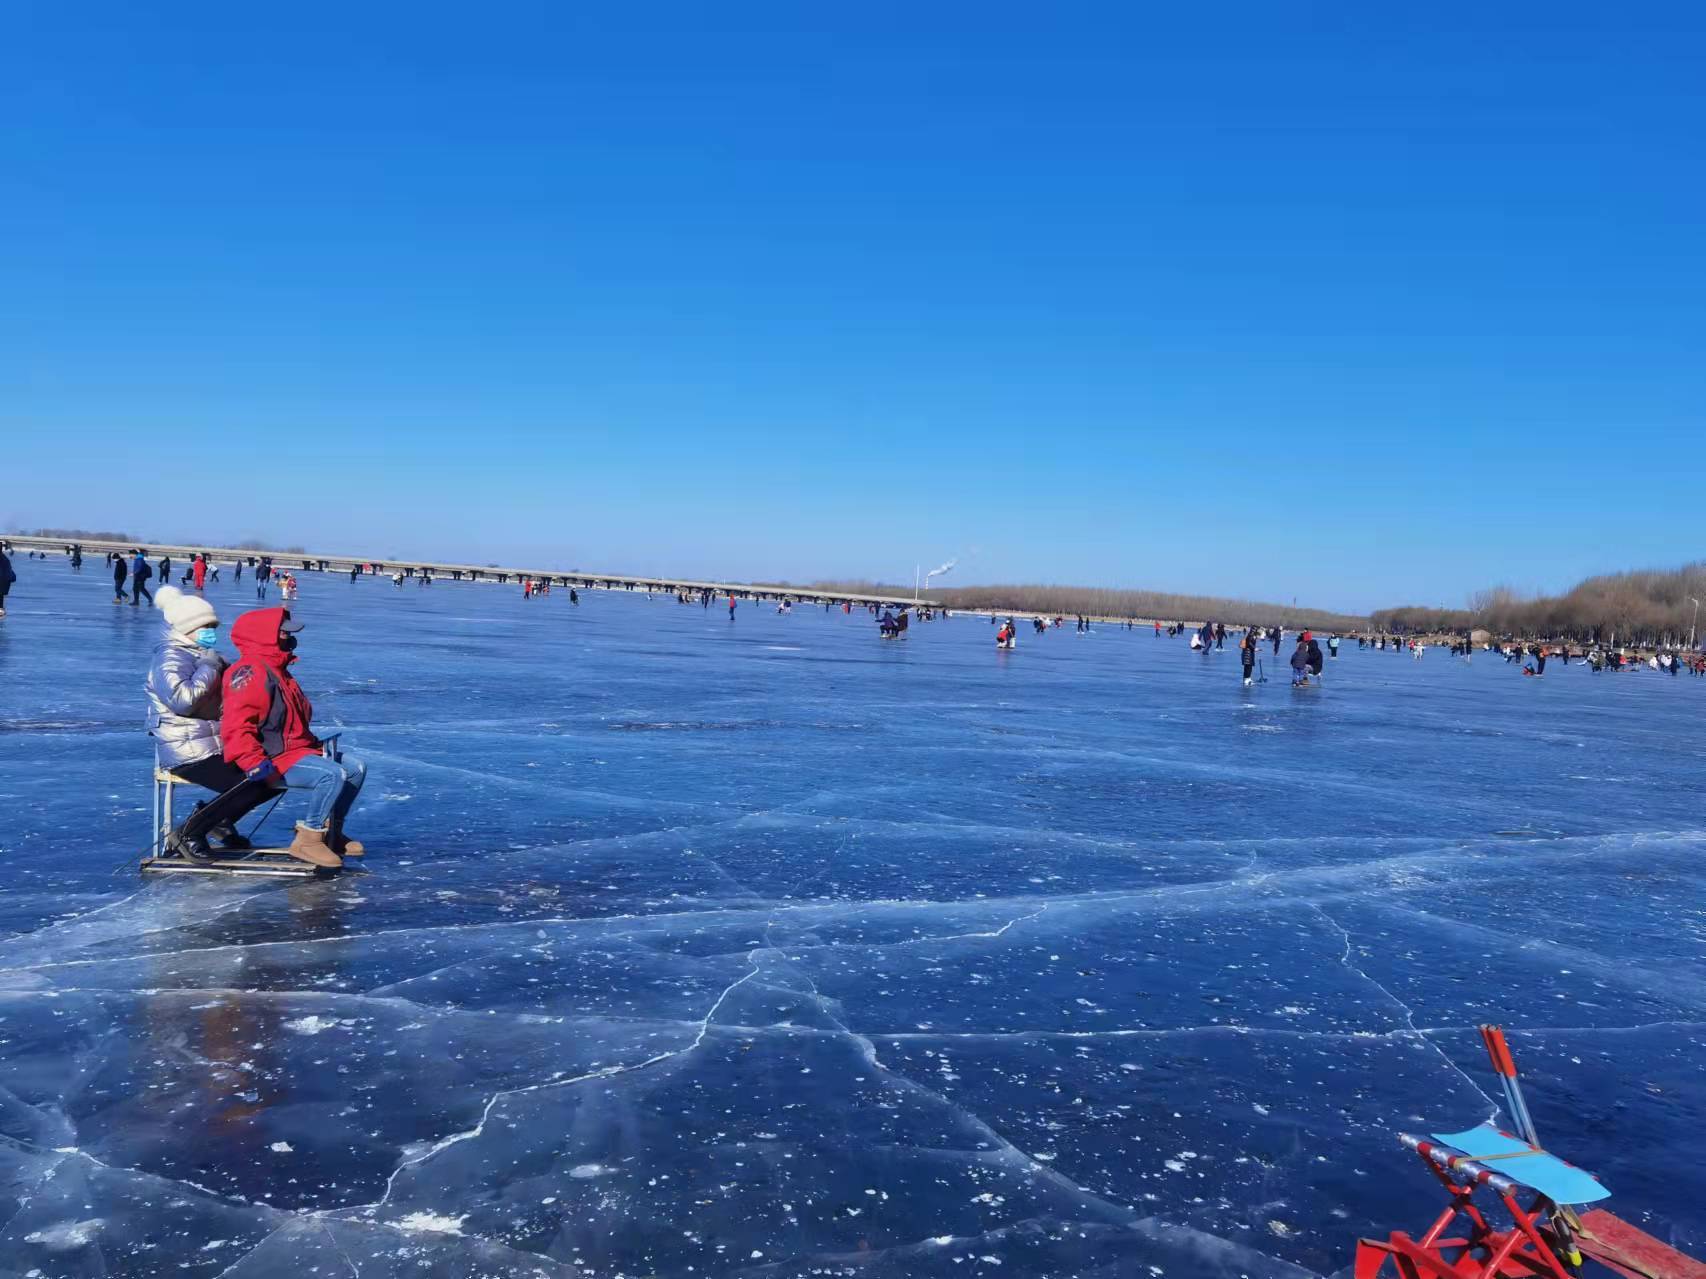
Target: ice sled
[(1511, 1209), (270, 863)]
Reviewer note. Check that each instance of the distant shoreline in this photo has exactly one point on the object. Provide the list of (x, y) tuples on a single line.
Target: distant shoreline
[(1026, 601), (445, 570)]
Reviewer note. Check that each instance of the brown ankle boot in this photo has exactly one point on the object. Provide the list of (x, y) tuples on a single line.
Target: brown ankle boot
[(310, 846)]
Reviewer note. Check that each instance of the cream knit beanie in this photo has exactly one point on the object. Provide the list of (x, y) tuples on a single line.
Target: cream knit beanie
[(185, 614)]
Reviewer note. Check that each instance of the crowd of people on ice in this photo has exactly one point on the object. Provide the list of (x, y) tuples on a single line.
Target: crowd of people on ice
[(244, 730), (131, 571)]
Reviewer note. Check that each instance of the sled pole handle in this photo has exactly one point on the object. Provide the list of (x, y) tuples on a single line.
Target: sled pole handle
[(1499, 1051), (1504, 1064)]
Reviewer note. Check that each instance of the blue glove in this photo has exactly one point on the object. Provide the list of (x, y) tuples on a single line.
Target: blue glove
[(262, 771)]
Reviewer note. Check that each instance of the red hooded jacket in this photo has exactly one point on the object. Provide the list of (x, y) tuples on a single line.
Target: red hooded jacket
[(267, 715)]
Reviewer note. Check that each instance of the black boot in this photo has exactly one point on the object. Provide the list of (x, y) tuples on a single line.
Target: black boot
[(189, 847), (227, 836), (218, 820)]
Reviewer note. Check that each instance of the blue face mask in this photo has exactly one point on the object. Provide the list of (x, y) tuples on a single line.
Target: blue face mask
[(207, 636)]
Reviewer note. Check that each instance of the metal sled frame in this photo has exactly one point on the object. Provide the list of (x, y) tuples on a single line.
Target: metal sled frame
[(1529, 1247), (264, 863)]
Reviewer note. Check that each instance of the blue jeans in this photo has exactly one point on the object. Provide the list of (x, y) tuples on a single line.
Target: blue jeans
[(332, 784)]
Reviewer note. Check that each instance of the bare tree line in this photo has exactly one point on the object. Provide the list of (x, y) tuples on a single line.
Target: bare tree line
[(102, 535), (1649, 607), (76, 534), (1094, 601)]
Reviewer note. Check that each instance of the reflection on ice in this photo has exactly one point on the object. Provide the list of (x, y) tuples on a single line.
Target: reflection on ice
[(688, 952)]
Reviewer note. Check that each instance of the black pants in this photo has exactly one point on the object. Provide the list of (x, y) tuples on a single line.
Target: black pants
[(238, 795), (138, 590)]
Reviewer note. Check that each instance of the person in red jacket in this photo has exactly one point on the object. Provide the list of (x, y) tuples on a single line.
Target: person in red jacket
[(200, 572), (267, 731)]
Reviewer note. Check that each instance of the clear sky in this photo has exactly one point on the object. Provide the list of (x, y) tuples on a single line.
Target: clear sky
[(1360, 304)]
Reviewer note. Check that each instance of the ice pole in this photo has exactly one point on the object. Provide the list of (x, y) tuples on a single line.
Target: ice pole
[(1505, 1066)]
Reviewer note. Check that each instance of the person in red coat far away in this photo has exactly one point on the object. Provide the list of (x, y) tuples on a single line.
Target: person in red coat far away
[(267, 731), (200, 571)]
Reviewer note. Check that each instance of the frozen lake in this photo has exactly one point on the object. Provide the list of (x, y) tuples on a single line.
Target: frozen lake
[(691, 948)]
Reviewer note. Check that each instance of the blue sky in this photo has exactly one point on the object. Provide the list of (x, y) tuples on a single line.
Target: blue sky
[(1346, 303)]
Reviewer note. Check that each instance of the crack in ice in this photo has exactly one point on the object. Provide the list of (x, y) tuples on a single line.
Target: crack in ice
[(1409, 1015), (603, 1072)]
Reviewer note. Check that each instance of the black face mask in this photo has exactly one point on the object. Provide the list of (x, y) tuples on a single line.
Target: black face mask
[(286, 642)]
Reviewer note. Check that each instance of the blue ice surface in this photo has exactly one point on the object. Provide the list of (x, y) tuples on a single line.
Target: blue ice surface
[(687, 947)]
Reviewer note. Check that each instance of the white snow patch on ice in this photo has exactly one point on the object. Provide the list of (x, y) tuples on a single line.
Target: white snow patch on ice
[(311, 1024), (66, 1235), (432, 1221)]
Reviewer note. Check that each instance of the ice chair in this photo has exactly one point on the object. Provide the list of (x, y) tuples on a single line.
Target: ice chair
[(275, 863), (1545, 1237), (1465, 1162)]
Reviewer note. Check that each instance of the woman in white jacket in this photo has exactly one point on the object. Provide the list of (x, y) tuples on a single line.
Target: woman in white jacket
[(184, 701)]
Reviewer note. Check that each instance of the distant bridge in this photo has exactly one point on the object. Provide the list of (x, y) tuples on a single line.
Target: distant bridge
[(441, 570)]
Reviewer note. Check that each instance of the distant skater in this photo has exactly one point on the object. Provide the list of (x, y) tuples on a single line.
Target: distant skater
[(120, 572), (731, 608), (8, 575), (1247, 653), (1276, 638), (1300, 663), (200, 571), (140, 571)]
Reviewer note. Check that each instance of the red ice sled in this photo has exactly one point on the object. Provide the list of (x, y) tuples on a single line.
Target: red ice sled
[(1544, 1236)]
